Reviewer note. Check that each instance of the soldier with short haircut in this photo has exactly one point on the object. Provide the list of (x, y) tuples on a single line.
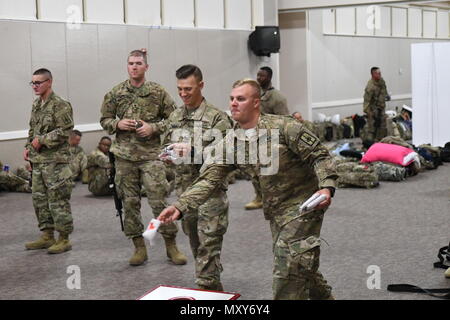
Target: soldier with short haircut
[(99, 166), (206, 225), (136, 111), (375, 96), (47, 148), (78, 161), (272, 102), (304, 168)]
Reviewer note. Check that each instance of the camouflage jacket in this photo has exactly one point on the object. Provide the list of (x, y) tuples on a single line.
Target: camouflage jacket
[(51, 122), (304, 166), (273, 102), (78, 161), (206, 117), (375, 95), (150, 103), (99, 167)]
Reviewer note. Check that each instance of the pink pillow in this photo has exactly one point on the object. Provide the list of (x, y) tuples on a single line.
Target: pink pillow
[(388, 153)]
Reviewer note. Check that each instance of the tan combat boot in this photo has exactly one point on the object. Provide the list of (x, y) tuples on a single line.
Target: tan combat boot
[(140, 252), (62, 245), (255, 204), (447, 273), (173, 253), (46, 240)]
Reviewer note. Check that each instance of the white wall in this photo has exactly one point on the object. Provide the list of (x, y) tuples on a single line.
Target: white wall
[(143, 12), (60, 10), (104, 11), (307, 4), (178, 13), (210, 14), (238, 14), (18, 9)]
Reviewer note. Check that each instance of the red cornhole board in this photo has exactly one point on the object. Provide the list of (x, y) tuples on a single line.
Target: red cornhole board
[(162, 292)]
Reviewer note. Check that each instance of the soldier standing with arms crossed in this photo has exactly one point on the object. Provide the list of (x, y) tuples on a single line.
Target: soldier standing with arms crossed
[(304, 168), (47, 149), (136, 111)]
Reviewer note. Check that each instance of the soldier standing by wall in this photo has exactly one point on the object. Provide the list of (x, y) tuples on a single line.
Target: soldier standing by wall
[(136, 111), (375, 96), (47, 148)]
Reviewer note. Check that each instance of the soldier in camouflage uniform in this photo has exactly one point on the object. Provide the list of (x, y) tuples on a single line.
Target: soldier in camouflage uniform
[(24, 172), (375, 96), (98, 166), (206, 225), (352, 174), (272, 102), (78, 161), (304, 168), (47, 148), (136, 111)]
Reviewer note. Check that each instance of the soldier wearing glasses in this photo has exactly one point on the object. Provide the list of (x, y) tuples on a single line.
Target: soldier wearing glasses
[(47, 149)]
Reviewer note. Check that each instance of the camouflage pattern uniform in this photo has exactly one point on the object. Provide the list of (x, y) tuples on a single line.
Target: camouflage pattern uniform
[(272, 102), (374, 107), (389, 171), (99, 167), (206, 225), (78, 162), (23, 173), (13, 183), (137, 163), (51, 122), (305, 166), (354, 174)]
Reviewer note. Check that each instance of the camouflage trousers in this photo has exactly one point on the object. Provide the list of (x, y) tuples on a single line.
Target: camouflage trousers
[(98, 184), (51, 192), (296, 248), (257, 188), (131, 176), (376, 124), (205, 228)]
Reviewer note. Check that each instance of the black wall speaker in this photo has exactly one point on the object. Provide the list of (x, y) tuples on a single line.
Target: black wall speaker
[(265, 40)]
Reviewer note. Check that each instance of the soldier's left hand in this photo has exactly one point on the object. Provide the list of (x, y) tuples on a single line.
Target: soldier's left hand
[(145, 130), (35, 144), (169, 214), (325, 203)]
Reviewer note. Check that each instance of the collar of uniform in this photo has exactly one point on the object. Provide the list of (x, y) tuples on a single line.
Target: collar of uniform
[(142, 91), (49, 98), (239, 133), (197, 115)]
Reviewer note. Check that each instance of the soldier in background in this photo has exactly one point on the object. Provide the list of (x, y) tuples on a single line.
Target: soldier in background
[(375, 96), (98, 166), (47, 148), (205, 226), (78, 161), (272, 102), (304, 168), (136, 111)]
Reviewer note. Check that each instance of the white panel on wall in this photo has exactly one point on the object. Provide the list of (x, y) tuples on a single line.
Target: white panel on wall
[(383, 21), (258, 12), (61, 10), (329, 21), (143, 12), (414, 23), (18, 9), (429, 24), (345, 21), (238, 14), (365, 20), (443, 24), (178, 13), (104, 11), (399, 22), (210, 14)]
